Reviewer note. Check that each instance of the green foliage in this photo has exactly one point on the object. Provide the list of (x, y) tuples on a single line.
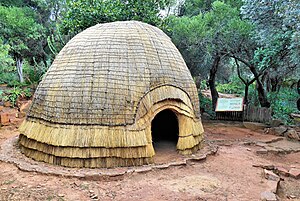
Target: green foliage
[(203, 84), (19, 28), (27, 93), (195, 7), (34, 73), (235, 86), (7, 70), (253, 95), (277, 28), (57, 41), (206, 105), (82, 14), (6, 61), (283, 103), (13, 94), (200, 37)]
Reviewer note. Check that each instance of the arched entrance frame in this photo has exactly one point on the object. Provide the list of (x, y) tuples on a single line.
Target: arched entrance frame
[(176, 100)]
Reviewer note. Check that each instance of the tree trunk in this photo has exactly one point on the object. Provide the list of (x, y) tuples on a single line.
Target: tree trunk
[(262, 96), (246, 82), (274, 84), (212, 80), (19, 62), (246, 93), (266, 80), (298, 89)]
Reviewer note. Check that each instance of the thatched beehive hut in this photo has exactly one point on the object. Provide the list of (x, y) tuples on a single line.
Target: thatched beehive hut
[(96, 103)]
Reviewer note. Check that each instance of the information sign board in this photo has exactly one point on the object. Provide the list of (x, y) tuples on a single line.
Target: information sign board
[(229, 104)]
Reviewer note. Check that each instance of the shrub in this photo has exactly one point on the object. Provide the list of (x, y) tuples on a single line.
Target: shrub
[(233, 87), (34, 74), (206, 105), (12, 95), (283, 103)]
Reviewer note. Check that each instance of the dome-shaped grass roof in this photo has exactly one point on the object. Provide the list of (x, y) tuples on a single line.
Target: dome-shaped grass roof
[(100, 89), (101, 75)]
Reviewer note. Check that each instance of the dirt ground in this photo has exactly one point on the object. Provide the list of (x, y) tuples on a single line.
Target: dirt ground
[(232, 174)]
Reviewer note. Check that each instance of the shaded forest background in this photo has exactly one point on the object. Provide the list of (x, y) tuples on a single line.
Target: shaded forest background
[(250, 48)]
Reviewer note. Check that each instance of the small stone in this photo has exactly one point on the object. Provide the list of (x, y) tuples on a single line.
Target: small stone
[(268, 196), (178, 163), (143, 169), (205, 116), (291, 197), (4, 119), (271, 175), (292, 134), (272, 149), (91, 191), (198, 158), (94, 197), (272, 186), (248, 149), (262, 151), (261, 144), (162, 166), (282, 171), (25, 107), (20, 114), (130, 171), (280, 130), (61, 195), (7, 104), (295, 173), (254, 125), (276, 123)]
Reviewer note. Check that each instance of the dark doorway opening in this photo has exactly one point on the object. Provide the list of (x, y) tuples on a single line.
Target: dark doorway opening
[(164, 127), (165, 130)]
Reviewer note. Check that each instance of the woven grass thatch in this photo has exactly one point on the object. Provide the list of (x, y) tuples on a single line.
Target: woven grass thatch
[(95, 105)]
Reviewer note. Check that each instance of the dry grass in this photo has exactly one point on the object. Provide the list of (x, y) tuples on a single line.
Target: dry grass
[(95, 105)]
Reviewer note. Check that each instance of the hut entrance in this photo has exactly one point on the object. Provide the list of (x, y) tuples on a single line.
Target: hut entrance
[(164, 128)]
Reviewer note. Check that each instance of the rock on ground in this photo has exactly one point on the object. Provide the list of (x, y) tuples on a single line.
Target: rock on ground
[(254, 125), (268, 196)]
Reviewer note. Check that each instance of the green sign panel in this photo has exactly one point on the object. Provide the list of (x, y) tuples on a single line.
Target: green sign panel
[(229, 104)]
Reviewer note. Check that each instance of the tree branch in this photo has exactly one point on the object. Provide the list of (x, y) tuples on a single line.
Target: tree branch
[(238, 72)]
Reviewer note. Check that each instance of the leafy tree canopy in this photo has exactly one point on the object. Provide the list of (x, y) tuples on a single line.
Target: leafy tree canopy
[(195, 7), (277, 27), (82, 14), (20, 30), (200, 37), (6, 60)]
